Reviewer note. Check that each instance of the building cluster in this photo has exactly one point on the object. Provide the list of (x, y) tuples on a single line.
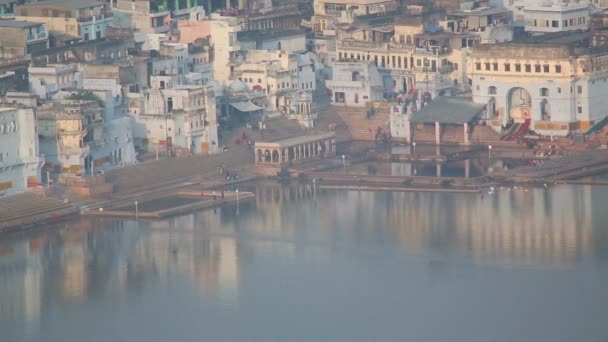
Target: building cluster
[(87, 85)]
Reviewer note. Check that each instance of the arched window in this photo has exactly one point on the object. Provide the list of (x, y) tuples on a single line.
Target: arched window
[(356, 76), (492, 90)]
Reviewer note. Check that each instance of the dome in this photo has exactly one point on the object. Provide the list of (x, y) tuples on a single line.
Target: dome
[(238, 86), (217, 87)]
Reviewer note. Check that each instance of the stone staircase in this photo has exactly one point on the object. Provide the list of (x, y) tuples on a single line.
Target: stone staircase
[(23, 210), (167, 171), (426, 135), (360, 126)]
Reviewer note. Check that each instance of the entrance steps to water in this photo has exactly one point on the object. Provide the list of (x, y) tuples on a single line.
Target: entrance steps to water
[(24, 210)]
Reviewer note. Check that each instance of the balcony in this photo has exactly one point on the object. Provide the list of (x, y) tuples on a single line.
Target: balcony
[(95, 17)]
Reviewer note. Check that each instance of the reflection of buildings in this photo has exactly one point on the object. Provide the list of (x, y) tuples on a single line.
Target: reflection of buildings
[(522, 227), (20, 282)]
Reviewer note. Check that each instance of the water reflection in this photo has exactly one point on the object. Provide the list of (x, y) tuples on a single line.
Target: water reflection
[(216, 253)]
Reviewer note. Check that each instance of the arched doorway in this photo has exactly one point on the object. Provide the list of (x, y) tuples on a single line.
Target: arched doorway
[(491, 109), (275, 156), (545, 110), (267, 156), (519, 103)]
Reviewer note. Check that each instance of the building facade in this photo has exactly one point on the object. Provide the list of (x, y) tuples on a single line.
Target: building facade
[(83, 19), (20, 161), (545, 80)]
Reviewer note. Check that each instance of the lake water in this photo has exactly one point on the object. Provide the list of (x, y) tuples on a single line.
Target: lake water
[(293, 265)]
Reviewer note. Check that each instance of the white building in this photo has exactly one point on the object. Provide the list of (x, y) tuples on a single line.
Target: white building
[(545, 16), (545, 80), (355, 84), (48, 80), (177, 117), (19, 155)]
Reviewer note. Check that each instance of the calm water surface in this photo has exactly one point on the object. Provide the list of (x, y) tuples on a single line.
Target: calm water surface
[(331, 266)]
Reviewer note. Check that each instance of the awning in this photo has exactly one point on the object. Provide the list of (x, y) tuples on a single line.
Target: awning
[(245, 106)]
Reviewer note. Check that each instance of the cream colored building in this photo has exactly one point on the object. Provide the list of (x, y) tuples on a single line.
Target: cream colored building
[(330, 12), (70, 132), (412, 60), (558, 82)]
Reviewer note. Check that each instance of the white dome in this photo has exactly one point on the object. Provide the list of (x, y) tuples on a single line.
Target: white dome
[(238, 86), (218, 89)]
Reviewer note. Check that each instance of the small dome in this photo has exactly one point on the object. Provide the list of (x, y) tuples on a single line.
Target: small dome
[(218, 89), (238, 86)]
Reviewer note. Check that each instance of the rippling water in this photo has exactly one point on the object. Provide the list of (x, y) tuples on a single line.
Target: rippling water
[(517, 265)]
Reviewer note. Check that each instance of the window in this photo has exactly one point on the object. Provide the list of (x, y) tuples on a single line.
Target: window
[(528, 68), (559, 90), (492, 90), (537, 68), (487, 66), (579, 110), (555, 23), (507, 67), (546, 68), (544, 92), (259, 80), (477, 66), (558, 69), (518, 67), (495, 66), (579, 89)]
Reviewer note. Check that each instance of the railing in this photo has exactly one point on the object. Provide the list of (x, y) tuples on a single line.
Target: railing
[(13, 61), (96, 17)]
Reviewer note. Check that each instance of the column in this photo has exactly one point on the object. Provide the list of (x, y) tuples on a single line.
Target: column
[(438, 170), (467, 168), (437, 133), (466, 133), (327, 147), (408, 132)]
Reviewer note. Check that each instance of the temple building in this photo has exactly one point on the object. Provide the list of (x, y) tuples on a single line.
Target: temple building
[(554, 83)]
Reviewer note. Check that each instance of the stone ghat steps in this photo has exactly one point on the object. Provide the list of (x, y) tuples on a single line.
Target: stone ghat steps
[(360, 126), (156, 173), (329, 117), (23, 210)]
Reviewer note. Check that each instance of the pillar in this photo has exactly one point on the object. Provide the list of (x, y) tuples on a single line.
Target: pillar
[(327, 147), (467, 168), (227, 3), (437, 133), (466, 133), (408, 132), (438, 170)]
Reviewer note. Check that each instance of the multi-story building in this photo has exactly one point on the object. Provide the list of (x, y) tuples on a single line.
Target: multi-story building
[(328, 13), (546, 16), (71, 132), (411, 55), (19, 155), (155, 16), (277, 74), (491, 24), (355, 84), (46, 81), (84, 19), (19, 39), (172, 117), (556, 82)]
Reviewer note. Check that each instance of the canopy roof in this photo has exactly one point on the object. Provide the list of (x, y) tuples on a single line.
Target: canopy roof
[(245, 106), (448, 110)]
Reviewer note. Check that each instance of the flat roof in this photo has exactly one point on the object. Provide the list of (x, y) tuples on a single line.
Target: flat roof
[(17, 23), (481, 11), (76, 4), (303, 139), (451, 110)]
